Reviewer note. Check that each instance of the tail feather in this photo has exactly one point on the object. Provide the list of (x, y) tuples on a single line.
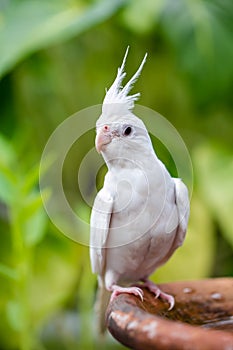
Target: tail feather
[(101, 304)]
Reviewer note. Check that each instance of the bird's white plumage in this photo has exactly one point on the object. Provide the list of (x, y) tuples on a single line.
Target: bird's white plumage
[(118, 94), (143, 234), (100, 223), (182, 203), (140, 216)]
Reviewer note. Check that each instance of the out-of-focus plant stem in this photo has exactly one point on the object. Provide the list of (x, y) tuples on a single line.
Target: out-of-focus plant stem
[(21, 257), (85, 302)]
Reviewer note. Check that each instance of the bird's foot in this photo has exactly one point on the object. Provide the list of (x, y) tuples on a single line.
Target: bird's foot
[(158, 293), (116, 290)]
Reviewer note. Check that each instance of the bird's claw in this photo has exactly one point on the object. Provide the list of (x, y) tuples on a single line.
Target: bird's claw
[(116, 290), (158, 293), (167, 297), (136, 290)]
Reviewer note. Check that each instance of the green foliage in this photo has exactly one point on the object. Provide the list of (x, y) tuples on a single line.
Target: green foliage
[(200, 33), (34, 292), (214, 177), (56, 58), (27, 221), (49, 22)]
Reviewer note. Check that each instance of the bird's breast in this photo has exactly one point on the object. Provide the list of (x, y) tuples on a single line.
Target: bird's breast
[(139, 199)]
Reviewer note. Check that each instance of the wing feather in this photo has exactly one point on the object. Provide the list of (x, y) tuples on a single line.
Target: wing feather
[(183, 206), (100, 223)]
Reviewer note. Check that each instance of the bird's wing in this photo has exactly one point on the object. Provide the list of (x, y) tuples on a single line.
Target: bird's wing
[(100, 223), (183, 207)]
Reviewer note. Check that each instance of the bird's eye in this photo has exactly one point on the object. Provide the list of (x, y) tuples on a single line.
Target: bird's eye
[(127, 131)]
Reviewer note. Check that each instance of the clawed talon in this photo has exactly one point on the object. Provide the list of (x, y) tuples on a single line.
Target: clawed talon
[(158, 293), (139, 292), (116, 290), (136, 290), (169, 298)]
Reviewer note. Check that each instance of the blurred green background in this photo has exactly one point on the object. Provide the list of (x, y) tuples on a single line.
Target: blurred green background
[(57, 57)]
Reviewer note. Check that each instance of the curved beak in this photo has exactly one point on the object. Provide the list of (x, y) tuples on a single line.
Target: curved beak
[(103, 137)]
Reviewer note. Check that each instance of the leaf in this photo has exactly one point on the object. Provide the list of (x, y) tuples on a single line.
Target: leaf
[(15, 315), (30, 180), (8, 184), (7, 176), (8, 272), (7, 192), (7, 153), (33, 203), (27, 26), (34, 228)]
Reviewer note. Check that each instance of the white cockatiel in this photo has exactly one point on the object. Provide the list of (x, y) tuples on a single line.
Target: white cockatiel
[(140, 215)]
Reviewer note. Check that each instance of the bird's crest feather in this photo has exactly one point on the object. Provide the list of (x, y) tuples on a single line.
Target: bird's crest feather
[(118, 94)]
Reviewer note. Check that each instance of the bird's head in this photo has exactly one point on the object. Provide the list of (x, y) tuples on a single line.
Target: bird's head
[(119, 132)]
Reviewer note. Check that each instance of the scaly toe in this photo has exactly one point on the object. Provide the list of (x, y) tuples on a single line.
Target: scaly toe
[(160, 294), (116, 290)]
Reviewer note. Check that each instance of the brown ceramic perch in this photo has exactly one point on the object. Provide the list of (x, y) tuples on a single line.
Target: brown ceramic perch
[(202, 318)]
